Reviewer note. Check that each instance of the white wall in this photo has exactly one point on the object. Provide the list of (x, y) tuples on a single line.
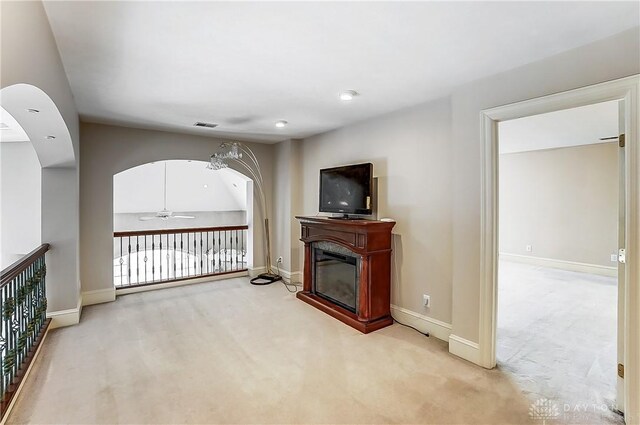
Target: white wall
[(190, 187), (20, 203), (29, 55), (108, 150), (411, 155), (562, 202)]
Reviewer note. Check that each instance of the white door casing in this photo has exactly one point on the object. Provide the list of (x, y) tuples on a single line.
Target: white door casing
[(624, 89)]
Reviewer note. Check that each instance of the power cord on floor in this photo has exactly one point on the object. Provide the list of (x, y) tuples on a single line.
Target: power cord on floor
[(411, 327), (284, 282)]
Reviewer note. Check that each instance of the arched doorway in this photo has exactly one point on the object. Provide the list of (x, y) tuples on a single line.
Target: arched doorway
[(176, 220)]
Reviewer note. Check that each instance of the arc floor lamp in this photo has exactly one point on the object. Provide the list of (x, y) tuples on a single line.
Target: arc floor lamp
[(244, 156)]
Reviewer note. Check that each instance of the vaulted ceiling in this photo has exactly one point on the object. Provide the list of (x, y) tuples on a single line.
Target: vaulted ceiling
[(245, 65)]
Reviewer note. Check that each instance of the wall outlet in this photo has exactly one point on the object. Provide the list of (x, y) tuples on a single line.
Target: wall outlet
[(426, 300), (528, 248), (279, 260), (614, 258)]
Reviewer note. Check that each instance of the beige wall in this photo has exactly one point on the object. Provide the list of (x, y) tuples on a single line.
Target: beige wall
[(287, 201), (29, 55), (608, 59), (107, 150), (428, 161), (411, 155), (562, 202)]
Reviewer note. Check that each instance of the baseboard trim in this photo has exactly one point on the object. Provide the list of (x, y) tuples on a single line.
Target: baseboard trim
[(464, 349), (146, 288), (62, 318), (98, 296), (293, 277), (572, 266), (425, 324), (253, 272)]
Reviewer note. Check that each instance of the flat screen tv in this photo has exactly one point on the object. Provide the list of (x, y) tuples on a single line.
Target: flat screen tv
[(347, 189)]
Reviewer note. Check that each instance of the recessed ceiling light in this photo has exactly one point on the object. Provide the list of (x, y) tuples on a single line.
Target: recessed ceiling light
[(33, 111), (50, 137), (281, 123), (205, 186), (348, 95)]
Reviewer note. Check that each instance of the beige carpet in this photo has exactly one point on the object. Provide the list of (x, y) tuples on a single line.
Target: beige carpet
[(557, 337), (229, 352)]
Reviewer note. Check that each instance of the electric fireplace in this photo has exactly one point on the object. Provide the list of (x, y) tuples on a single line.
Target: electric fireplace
[(347, 270), (336, 273)]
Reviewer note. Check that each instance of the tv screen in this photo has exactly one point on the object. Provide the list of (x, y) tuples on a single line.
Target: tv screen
[(347, 189)]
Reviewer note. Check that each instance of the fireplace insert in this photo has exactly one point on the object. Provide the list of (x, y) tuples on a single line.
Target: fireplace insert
[(335, 274)]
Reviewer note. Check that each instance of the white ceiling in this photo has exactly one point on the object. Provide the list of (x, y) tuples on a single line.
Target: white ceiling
[(569, 127), (141, 189), (10, 130), (245, 65)]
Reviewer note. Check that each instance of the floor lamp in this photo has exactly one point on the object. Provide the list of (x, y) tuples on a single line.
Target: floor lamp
[(244, 156)]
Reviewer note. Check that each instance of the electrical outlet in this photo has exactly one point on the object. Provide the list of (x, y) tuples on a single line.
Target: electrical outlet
[(426, 300), (528, 248), (279, 260)]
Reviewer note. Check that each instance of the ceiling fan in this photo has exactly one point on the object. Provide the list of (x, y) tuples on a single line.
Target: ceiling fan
[(165, 214)]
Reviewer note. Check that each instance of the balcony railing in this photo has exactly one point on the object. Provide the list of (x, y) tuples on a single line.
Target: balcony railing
[(24, 318), (158, 256)]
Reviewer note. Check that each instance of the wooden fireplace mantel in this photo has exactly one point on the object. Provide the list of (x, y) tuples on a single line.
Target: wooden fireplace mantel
[(371, 240)]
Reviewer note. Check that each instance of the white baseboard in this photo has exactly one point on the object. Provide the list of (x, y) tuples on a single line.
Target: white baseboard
[(573, 266), (464, 348), (253, 272), (62, 318), (145, 288), (433, 327), (99, 296), (293, 277)]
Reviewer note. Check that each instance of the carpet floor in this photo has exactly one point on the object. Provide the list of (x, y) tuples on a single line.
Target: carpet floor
[(230, 352), (557, 338)]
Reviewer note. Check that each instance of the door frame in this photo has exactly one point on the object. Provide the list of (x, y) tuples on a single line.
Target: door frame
[(628, 90)]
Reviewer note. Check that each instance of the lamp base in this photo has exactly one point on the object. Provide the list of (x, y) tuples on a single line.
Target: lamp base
[(265, 279)]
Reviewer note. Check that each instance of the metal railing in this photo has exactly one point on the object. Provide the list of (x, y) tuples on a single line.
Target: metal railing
[(158, 256), (24, 318)]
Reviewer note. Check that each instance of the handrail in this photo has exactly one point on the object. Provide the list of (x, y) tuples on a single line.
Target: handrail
[(184, 230), (9, 273)]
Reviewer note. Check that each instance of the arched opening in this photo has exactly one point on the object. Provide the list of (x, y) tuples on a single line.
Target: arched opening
[(20, 192), (47, 206), (175, 220)]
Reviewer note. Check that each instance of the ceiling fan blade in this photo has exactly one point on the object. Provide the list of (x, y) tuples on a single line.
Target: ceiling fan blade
[(182, 216), (146, 218)]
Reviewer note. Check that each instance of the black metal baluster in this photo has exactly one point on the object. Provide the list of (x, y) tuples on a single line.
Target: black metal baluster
[(181, 255), (194, 253), (129, 262), (160, 265), (207, 252), (137, 261), (145, 259), (153, 258), (121, 260), (236, 256), (201, 256)]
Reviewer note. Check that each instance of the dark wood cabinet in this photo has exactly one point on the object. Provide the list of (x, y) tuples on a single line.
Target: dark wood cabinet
[(371, 241)]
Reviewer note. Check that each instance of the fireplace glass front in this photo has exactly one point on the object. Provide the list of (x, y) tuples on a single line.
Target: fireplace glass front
[(336, 273)]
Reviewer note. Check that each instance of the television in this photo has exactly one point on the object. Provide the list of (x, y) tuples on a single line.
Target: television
[(347, 189)]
